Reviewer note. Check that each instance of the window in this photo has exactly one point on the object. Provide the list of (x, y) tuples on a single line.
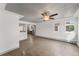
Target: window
[(56, 28), (22, 27), (70, 28)]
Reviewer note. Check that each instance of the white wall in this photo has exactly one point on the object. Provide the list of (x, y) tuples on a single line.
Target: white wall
[(78, 32), (77, 16), (23, 35), (9, 30), (2, 6), (46, 29)]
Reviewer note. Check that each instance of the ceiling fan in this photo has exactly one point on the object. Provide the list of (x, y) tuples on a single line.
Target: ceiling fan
[(47, 17)]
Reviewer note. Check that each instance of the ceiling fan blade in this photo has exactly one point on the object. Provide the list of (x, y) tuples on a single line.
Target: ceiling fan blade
[(45, 14), (52, 18), (53, 15), (42, 14)]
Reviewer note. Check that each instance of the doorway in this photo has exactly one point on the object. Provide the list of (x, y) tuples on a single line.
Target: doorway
[(31, 29)]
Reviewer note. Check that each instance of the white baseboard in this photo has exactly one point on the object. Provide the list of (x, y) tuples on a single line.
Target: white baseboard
[(64, 40), (8, 50)]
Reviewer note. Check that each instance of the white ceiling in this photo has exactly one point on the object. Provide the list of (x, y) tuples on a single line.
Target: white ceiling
[(32, 11)]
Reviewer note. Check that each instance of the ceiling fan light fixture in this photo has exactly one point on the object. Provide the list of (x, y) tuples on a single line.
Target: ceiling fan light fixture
[(46, 18)]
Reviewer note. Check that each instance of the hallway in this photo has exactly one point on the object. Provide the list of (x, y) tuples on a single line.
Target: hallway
[(36, 46)]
